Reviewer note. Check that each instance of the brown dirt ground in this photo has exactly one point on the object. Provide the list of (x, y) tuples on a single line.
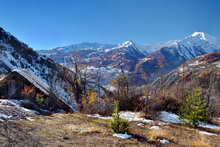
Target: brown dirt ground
[(69, 130)]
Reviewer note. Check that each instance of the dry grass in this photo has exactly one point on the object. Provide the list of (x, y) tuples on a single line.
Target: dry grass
[(80, 130), (154, 135), (200, 142)]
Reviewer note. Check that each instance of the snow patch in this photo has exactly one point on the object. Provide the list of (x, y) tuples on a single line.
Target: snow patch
[(164, 141), (207, 133), (100, 117), (17, 104), (122, 136), (130, 116), (169, 117), (3, 116), (155, 127), (173, 118), (162, 123), (30, 118), (209, 126), (140, 124), (218, 65)]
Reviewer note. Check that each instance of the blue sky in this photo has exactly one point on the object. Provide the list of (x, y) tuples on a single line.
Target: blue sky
[(46, 24)]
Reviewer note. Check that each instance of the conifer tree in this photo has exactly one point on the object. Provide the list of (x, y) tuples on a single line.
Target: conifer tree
[(195, 108), (118, 124)]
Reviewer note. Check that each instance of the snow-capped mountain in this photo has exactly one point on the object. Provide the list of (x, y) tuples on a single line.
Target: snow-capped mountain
[(147, 61), (190, 46), (97, 54), (174, 53), (77, 47), (17, 56), (194, 45)]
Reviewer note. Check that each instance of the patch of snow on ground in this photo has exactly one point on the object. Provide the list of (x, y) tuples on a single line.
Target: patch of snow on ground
[(164, 141), (99, 116), (162, 123), (169, 117), (173, 118), (123, 136), (29, 118), (140, 124), (17, 104), (155, 127), (29, 110), (207, 133), (9, 102), (210, 126), (164, 116), (3, 116), (132, 116), (218, 65)]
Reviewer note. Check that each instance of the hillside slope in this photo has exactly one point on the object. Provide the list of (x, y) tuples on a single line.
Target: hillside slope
[(203, 72), (16, 55)]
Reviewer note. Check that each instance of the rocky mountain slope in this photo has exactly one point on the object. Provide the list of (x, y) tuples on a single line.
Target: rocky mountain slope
[(16, 55), (202, 72), (147, 62), (97, 55)]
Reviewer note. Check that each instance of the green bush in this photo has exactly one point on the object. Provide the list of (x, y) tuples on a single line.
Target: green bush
[(118, 124), (40, 100), (195, 108)]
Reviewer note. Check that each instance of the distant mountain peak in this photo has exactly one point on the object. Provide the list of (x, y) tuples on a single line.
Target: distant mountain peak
[(126, 43), (201, 35)]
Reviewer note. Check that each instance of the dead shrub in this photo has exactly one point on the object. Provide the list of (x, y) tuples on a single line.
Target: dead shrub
[(105, 109), (152, 106), (130, 103)]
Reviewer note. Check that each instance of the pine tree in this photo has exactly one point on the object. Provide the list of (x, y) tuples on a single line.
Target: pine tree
[(118, 124), (195, 108)]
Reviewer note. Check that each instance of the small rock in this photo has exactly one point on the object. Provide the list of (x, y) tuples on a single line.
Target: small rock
[(164, 141), (155, 127), (140, 124), (66, 138)]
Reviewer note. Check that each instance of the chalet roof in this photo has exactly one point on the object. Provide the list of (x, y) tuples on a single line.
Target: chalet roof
[(34, 80), (31, 78), (37, 82)]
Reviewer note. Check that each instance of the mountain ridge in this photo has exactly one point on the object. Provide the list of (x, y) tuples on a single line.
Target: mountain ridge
[(147, 64)]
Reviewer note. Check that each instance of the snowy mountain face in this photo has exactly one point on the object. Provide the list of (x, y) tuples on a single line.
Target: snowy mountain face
[(174, 53), (77, 47), (97, 54), (194, 45), (147, 61), (17, 56)]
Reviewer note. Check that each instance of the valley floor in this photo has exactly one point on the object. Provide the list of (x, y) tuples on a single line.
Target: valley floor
[(69, 130)]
